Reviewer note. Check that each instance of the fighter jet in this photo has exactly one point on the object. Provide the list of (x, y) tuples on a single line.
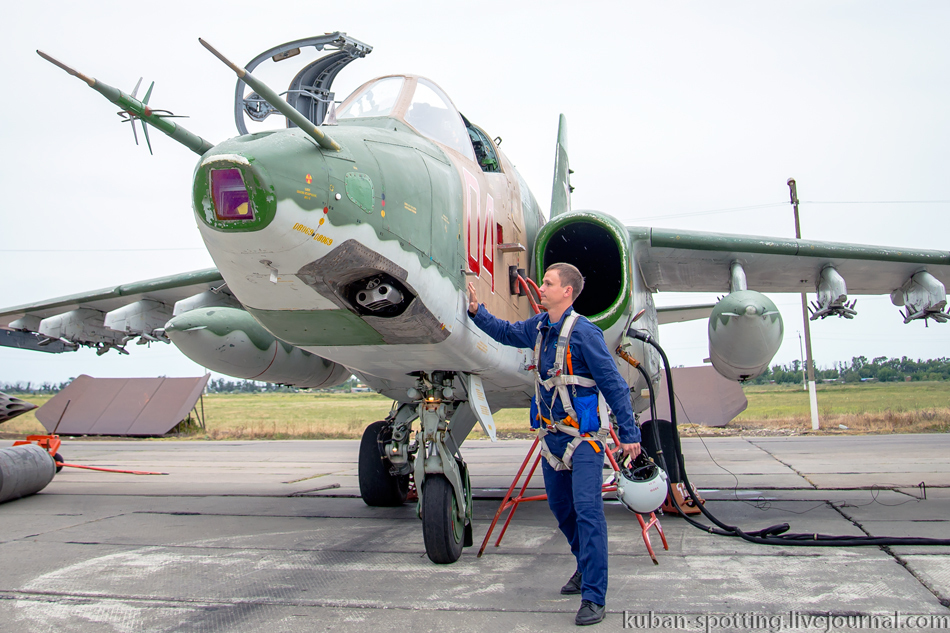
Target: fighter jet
[(344, 243)]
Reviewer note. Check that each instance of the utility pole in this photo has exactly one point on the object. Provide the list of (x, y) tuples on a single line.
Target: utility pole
[(801, 355), (809, 362)]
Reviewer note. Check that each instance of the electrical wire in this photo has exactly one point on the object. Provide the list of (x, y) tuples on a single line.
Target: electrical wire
[(772, 205), (712, 211), (760, 503), (874, 201), (95, 250)]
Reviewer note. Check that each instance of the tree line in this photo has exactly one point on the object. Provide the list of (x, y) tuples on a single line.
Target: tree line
[(860, 369), (882, 369), (215, 385)]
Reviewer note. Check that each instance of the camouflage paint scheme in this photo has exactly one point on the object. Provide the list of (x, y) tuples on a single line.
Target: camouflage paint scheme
[(347, 247), (378, 195), (397, 198)]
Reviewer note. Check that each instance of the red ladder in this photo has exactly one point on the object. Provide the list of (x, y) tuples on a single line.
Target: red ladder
[(514, 502)]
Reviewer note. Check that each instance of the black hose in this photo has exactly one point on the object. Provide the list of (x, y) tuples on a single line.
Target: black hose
[(771, 535), (656, 430)]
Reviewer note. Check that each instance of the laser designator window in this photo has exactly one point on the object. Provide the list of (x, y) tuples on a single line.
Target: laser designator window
[(434, 116), (231, 201), (377, 99)]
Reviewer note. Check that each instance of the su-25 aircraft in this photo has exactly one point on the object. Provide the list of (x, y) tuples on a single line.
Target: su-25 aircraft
[(345, 242)]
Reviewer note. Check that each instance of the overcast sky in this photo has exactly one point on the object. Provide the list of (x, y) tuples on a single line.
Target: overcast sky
[(681, 115)]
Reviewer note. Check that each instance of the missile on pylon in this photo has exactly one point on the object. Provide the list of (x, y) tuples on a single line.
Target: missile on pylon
[(138, 109)]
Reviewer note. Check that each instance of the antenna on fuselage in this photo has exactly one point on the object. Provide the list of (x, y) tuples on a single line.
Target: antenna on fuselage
[(561, 191)]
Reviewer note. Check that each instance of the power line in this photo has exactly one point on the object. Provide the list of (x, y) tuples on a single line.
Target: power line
[(712, 211), (782, 204), (875, 201), (93, 250)]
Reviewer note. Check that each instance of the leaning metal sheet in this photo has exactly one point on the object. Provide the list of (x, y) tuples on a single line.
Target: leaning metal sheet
[(702, 397), (121, 406)]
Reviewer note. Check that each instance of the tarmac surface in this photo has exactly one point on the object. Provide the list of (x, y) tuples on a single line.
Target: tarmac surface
[(272, 536)]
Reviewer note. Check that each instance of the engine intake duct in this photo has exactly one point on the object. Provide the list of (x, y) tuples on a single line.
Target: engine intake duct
[(587, 241)]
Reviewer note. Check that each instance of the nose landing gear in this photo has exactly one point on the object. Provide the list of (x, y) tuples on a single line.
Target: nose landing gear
[(387, 458)]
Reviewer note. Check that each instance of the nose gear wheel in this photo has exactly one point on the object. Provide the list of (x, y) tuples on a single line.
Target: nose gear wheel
[(442, 532)]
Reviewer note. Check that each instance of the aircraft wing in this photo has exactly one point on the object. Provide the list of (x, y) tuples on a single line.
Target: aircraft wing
[(678, 314), (166, 290), (682, 261)]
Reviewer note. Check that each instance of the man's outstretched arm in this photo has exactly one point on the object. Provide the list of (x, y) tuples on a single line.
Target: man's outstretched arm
[(519, 334)]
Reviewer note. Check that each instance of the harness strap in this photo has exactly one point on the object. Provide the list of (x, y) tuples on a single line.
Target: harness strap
[(568, 426), (580, 381), (560, 382)]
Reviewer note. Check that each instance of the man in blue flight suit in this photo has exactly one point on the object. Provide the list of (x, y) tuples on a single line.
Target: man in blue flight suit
[(573, 483)]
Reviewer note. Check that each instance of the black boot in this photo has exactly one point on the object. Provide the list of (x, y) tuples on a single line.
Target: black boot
[(589, 613), (573, 586)]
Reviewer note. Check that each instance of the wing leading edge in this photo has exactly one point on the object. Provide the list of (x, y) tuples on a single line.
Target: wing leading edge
[(168, 289), (110, 317), (692, 261)]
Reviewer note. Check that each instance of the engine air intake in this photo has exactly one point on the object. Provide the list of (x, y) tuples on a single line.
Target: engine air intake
[(595, 252)]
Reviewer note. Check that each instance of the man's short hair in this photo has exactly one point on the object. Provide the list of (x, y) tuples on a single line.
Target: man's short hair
[(570, 276)]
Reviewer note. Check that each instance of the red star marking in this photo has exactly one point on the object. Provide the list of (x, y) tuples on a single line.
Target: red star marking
[(309, 179)]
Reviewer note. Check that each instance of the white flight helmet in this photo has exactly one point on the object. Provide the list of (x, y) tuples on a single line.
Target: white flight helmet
[(642, 485)]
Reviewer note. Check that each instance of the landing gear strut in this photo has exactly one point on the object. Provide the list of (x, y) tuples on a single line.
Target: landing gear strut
[(387, 458)]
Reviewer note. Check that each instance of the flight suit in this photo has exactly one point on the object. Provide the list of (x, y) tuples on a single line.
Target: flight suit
[(574, 496)]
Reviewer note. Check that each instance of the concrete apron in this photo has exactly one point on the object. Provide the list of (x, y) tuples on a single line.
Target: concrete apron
[(272, 535)]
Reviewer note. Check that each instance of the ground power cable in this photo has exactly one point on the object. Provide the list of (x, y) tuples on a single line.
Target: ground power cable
[(773, 535)]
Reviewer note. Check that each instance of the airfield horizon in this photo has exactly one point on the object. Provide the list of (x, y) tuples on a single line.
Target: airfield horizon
[(774, 410)]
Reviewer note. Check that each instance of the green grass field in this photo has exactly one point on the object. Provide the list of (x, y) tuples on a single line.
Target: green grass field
[(781, 401), (866, 408), (892, 407)]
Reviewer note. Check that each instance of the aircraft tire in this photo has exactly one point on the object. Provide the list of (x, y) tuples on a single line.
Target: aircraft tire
[(378, 487), (442, 535)]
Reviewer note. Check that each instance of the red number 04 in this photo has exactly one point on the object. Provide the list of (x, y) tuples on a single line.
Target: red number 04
[(480, 246)]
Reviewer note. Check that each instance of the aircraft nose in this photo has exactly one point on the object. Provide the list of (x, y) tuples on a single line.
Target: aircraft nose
[(244, 183)]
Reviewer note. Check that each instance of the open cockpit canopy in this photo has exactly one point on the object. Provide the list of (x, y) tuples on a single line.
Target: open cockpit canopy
[(421, 104)]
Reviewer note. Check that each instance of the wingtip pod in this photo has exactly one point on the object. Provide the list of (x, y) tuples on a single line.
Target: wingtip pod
[(265, 92), (137, 109), (561, 190)]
